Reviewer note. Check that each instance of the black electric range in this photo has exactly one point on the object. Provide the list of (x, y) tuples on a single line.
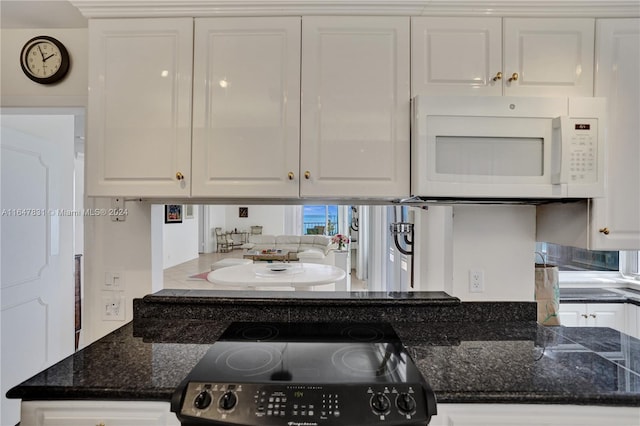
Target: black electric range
[(310, 374)]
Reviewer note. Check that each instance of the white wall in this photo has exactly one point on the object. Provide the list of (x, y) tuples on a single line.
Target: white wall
[(271, 218), (499, 240), (180, 240), (18, 90), (122, 247)]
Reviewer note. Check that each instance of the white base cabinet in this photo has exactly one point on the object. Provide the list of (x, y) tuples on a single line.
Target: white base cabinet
[(633, 320), (98, 413), (533, 415), (594, 315)]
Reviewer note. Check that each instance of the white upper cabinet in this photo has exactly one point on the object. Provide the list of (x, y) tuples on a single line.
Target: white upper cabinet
[(456, 56), (616, 218), (611, 222), (355, 107), (246, 107), (510, 56), (551, 57), (139, 120)]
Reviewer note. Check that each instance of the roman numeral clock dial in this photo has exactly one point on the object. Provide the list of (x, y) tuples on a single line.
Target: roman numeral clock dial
[(44, 60)]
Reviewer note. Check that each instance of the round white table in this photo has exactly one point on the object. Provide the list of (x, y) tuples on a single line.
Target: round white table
[(300, 276)]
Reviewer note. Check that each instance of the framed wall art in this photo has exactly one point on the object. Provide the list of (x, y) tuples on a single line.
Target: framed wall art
[(173, 213)]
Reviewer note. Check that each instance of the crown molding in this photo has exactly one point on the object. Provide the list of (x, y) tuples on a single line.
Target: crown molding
[(509, 8)]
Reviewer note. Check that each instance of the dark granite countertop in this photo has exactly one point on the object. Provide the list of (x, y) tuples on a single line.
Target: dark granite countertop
[(308, 298), (490, 362), (600, 295)]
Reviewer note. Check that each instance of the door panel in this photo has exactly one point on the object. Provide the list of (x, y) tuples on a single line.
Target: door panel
[(246, 123), (476, 44), (37, 286), (355, 107)]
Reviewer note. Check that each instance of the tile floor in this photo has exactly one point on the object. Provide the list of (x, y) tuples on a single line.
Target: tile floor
[(178, 276)]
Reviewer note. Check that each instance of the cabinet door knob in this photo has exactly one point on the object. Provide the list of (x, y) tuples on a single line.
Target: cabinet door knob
[(604, 230), (514, 77), (497, 77), (290, 175), (584, 316), (307, 174), (179, 176), (592, 315)]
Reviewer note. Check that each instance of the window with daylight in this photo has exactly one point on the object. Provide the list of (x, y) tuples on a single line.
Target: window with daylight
[(320, 220), (581, 260)]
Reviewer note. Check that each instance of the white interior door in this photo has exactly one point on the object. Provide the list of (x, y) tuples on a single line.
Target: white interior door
[(37, 285)]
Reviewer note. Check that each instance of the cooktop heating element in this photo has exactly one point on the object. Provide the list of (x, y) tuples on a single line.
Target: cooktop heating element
[(305, 375)]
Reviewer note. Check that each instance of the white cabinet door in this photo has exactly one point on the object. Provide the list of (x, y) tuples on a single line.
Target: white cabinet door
[(607, 315), (456, 56), (618, 68), (246, 113), (573, 314), (551, 56), (355, 107), (611, 315), (108, 413), (139, 119)]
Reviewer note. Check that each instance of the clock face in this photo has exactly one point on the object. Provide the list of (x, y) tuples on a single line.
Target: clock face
[(44, 60)]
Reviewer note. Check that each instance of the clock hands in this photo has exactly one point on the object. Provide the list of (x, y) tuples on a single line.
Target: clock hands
[(41, 53), (44, 59)]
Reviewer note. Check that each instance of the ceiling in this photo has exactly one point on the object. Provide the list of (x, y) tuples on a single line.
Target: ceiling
[(40, 14)]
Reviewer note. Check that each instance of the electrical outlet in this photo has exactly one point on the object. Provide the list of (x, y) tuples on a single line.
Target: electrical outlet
[(112, 307), (113, 280), (476, 280)]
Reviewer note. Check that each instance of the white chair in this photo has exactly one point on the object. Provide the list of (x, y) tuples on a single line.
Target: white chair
[(224, 243)]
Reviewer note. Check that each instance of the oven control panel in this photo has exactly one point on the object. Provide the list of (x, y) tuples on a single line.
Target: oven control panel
[(305, 405)]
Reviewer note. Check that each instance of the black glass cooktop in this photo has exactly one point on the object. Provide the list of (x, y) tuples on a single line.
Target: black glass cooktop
[(307, 353)]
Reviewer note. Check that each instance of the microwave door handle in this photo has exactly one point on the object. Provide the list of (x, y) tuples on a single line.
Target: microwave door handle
[(561, 150)]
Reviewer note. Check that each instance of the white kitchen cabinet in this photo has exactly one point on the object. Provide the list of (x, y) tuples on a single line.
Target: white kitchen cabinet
[(552, 56), (610, 222), (633, 320), (456, 56), (611, 315), (355, 107), (510, 56), (533, 415), (106, 413), (139, 113), (615, 218), (246, 107)]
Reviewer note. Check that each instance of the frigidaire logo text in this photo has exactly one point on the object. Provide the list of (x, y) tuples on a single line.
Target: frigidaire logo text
[(302, 424)]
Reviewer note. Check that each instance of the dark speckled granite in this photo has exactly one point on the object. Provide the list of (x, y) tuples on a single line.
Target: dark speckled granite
[(360, 307), (600, 295), (469, 352), (491, 362)]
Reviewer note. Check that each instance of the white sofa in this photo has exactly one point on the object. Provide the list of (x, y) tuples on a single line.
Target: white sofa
[(306, 248)]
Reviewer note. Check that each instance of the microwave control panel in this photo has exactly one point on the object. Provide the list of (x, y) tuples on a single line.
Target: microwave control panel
[(576, 150), (583, 151)]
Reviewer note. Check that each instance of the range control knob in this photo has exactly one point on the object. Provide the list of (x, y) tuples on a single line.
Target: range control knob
[(405, 403), (380, 403), (202, 400), (228, 400)]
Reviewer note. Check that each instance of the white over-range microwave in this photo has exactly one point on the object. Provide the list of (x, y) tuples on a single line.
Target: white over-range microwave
[(507, 147)]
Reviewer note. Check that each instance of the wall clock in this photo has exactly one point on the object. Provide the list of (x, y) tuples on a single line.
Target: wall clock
[(44, 60)]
